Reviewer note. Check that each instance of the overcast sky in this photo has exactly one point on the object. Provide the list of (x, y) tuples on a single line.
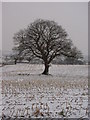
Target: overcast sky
[(72, 16)]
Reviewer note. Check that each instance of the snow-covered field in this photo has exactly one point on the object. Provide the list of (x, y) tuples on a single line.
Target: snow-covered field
[(27, 93)]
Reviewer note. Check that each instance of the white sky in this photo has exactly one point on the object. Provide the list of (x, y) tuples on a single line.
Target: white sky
[(73, 16)]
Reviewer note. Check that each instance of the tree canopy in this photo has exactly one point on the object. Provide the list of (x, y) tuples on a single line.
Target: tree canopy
[(46, 40)]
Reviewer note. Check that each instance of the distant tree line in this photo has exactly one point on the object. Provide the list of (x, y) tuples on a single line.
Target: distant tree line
[(14, 59)]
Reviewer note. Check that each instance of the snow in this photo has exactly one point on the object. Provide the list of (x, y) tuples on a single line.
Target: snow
[(63, 93)]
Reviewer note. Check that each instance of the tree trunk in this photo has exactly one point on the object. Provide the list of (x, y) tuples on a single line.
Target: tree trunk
[(15, 61), (46, 70)]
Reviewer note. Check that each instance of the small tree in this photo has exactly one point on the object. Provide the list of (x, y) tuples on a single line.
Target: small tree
[(44, 39), (76, 58), (15, 58)]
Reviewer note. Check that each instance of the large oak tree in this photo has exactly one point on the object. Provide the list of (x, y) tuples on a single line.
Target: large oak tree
[(46, 40)]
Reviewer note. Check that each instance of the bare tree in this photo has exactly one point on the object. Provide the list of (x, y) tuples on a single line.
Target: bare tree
[(76, 58), (44, 39)]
